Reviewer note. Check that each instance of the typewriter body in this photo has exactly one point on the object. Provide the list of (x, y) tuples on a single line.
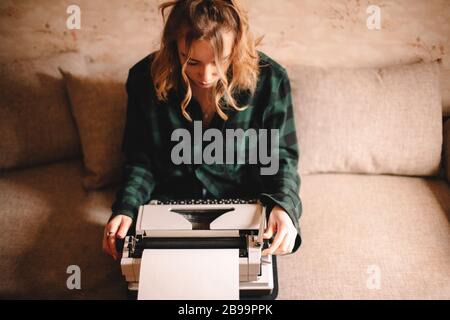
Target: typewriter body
[(204, 224)]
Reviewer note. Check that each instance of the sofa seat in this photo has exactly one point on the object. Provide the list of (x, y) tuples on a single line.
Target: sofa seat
[(350, 224), (355, 225)]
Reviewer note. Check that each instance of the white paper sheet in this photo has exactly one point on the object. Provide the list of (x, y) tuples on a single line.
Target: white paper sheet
[(189, 274)]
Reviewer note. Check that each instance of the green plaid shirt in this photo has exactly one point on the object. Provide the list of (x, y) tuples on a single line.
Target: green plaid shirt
[(149, 173)]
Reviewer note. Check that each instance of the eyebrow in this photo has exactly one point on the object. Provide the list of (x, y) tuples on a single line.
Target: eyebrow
[(193, 60)]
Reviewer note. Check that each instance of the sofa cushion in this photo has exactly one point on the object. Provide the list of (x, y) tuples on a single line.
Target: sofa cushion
[(55, 224), (370, 237), (376, 121), (99, 106), (36, 125)]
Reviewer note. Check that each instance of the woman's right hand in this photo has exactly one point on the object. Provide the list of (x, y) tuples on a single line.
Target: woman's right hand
[(117, 228)]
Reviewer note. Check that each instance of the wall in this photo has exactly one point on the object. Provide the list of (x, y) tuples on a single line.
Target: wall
[(115, 34)]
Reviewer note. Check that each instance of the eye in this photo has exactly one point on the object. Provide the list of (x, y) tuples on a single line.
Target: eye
[(191, 63)]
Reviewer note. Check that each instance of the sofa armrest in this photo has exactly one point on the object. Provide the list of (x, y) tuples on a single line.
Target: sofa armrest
[(447, 149)]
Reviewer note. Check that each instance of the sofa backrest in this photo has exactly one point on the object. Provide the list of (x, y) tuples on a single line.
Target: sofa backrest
[(376, 121), (36, 125)]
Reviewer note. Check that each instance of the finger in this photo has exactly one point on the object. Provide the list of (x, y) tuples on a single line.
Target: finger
[(126, 223), (294, 239), (112, 246), (111, 236), (276, 242), (284, 246), (105, 246), (113, 225), (292, 245), (105, 241), (270, 230), (274, 246)]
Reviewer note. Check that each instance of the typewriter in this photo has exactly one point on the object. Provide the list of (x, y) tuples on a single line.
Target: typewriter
[(205, 224)]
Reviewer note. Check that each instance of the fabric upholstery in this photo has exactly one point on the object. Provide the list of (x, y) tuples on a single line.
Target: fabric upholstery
[(446, 155), (99, 107), (36, 125), (396, 223), (358, 227), (375, 121)]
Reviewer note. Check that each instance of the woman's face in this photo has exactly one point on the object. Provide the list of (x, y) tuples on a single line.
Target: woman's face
[(201, 68)]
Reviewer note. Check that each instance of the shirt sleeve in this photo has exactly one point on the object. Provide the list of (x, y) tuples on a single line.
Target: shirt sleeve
[(282, 188), (138, 180)]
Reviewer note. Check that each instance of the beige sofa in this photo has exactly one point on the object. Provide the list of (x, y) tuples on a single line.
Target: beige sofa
[(374, 183)]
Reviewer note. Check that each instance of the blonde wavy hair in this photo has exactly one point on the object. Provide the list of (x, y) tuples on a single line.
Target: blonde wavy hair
[(206, 20)]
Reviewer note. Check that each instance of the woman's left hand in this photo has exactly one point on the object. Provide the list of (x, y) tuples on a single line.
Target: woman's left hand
[(286, 233)]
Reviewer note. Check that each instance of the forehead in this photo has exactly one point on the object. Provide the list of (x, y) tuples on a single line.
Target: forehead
[(202, 50)]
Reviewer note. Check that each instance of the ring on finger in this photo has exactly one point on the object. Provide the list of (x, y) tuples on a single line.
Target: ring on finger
[(110, 234)]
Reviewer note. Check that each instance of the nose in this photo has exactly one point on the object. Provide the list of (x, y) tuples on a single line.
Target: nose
[(207, 73)]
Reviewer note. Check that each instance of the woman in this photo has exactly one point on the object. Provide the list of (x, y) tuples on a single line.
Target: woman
[(207, 69)]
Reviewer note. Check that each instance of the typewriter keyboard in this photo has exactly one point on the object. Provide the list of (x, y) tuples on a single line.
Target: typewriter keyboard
[(206, 201)]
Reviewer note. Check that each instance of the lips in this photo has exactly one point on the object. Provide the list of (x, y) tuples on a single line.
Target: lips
[(204, 84)]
